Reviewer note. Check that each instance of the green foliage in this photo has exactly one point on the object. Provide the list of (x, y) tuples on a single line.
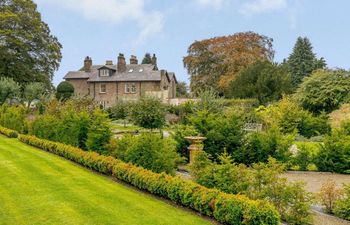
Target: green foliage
[(342, 206), (33, 91), (261, 181), (289, 117), (13, 117), (99, 132), (222, 131), (262, 80), (8, 132), (208, 100), (302, 61), (64, 91), (9, 89), (149, 151), (183, 110), (226, 208), (259, 146), (306, 156), (180, 132), (182, 89), (334, 154), (28, 53), (324, 90), (147, 59), (120, 110), (148, 113)]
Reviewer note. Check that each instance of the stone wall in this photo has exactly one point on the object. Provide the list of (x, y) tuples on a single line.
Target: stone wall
[(81, 87)]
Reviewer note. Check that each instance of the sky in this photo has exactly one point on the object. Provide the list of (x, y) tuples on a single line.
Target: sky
[(102, 29)]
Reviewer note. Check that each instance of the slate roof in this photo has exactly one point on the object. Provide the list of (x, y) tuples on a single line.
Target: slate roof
[(134, 72)]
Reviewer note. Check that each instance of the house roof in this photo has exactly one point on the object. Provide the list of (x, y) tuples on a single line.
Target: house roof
[(134, 72)]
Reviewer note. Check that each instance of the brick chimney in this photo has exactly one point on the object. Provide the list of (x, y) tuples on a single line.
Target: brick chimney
[(133, 60), (87, 64), (154, 61), (121, 65), (109, 62)]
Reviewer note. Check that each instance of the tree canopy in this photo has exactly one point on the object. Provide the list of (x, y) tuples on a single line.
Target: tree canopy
[(182, 89), (28, 50), (64, 90), (302, 61), (147, 59), (262, 80), (215, 62), (324, 90), (33, 91), (8, 89)]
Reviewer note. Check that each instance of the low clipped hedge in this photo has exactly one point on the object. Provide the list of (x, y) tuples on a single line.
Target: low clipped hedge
[(226, 208), (8, 132)]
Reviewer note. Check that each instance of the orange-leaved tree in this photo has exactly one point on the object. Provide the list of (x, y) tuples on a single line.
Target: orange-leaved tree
[(215, 62)]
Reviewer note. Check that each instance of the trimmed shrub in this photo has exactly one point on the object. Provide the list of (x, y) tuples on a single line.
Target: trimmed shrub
[(261, 181), (65, 90), (226, 208), (8, 132)]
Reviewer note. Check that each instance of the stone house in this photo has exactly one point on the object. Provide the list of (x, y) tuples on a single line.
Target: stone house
[(111, 82)]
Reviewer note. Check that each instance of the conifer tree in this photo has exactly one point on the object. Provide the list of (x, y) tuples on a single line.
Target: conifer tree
[(147, 59), (302, 61)]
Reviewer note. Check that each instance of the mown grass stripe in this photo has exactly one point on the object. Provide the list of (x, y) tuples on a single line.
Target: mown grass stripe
[(37, 187)]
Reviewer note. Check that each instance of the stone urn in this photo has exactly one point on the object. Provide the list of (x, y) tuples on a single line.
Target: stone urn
[(196, 145)]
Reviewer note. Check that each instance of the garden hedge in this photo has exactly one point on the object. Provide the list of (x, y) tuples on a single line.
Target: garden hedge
[(226, 208), (8, 132)]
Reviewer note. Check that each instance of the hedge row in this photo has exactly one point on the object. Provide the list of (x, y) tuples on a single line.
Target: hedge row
[(226, 208), (8, 132)]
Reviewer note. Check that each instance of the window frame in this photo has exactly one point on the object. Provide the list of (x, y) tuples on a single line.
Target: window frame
[(130, 88), (104, 72), (105, 88)]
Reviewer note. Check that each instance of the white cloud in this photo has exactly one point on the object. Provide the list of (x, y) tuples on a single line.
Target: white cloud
[(262, 6), (114, 12), (216, 4)]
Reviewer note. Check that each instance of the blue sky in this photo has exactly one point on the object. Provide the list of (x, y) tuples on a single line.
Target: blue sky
[(103, 28)]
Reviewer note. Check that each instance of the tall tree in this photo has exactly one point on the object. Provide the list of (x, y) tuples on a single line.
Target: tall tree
[(302, 61), (182, 89), (147, 59), (217, 61), (28, 51), (262, 80)]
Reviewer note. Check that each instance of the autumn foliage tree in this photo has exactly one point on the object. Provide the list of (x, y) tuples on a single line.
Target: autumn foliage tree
[(215, 62)]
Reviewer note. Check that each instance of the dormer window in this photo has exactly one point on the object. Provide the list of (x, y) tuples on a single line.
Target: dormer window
[(104, 72)]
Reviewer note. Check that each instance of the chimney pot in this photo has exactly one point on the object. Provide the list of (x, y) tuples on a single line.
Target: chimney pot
[(109, 62), (87, 64), (154, 61), (121, 65), (133, 60)]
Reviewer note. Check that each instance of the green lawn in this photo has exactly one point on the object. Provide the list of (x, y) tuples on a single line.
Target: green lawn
[(37, 187)]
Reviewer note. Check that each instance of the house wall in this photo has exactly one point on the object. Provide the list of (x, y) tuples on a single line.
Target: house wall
[(81, 87), (116, 91)]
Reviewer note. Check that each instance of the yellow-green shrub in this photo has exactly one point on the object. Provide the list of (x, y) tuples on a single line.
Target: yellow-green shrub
[(8, 132)]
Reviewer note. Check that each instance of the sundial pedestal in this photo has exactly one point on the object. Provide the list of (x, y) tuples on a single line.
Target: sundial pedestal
[(196, 146)]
